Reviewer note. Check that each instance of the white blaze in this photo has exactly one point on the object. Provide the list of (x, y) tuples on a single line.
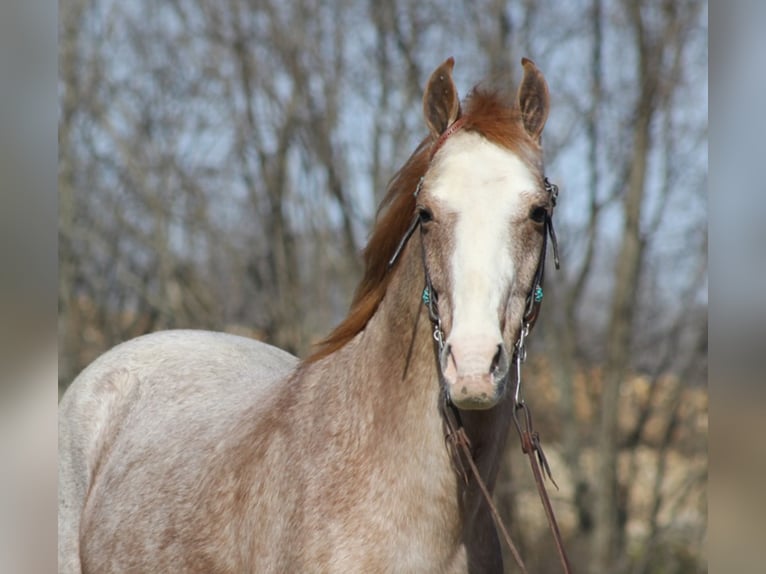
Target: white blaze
[(488, 188)]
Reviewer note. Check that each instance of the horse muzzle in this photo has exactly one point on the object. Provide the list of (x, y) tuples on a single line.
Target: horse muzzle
[(475, 373)]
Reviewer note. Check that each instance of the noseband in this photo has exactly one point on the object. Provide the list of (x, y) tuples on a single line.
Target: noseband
[(457, 439)]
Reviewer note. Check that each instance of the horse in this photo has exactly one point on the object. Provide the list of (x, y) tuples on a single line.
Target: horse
[(194, 451)]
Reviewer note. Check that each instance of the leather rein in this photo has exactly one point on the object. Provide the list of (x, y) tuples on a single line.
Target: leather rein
[(457, 439)]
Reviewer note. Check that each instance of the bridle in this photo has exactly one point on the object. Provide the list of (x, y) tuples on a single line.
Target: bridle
[(457, 439)]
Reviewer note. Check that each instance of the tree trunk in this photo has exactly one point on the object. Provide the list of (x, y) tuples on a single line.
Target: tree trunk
[(608, 532)]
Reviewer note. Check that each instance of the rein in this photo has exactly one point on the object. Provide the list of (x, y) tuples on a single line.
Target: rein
[(457, 439)]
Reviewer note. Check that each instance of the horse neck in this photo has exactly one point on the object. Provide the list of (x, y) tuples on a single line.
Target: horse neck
[(401, 314), (391, 366), (380, 415), (401, 309)]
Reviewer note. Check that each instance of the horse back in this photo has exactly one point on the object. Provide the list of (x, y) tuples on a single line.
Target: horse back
[(139, 431)]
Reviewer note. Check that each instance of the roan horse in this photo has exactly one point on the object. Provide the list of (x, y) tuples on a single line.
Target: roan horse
[(191, 451)]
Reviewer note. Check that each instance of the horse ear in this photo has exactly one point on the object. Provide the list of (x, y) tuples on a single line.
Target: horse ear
[(533, 99), (441, 106)]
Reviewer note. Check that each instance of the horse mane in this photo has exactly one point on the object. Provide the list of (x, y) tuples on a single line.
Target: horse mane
[(488, 112)]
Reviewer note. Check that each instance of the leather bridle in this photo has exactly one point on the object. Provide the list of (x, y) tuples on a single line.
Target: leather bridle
[(456, 436)]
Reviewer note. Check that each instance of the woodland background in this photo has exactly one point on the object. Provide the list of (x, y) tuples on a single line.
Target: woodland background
[(220, 162)]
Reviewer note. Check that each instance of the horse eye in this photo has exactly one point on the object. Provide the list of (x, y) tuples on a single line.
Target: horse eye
[(425, 214), (538, 214)]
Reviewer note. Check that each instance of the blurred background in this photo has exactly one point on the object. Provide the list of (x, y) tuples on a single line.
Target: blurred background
[(219, 167)]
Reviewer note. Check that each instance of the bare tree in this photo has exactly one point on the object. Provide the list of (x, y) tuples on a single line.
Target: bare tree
[(656, 31)]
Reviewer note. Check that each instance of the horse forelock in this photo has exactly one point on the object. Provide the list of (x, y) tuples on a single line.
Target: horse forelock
[(496, 116), (486, 112)]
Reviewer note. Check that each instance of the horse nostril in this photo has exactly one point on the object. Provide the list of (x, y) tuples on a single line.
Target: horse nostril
[(495, 360), (444, 356), (499, 366)]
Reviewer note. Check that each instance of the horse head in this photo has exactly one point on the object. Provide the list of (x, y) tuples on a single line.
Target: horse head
[(483, 208)]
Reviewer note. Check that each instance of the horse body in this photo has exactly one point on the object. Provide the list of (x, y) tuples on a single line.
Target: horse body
[(203, 452), (216, 455)]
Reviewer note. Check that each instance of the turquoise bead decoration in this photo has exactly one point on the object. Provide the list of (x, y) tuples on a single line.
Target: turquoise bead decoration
[(426, 296), (538, 294)]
